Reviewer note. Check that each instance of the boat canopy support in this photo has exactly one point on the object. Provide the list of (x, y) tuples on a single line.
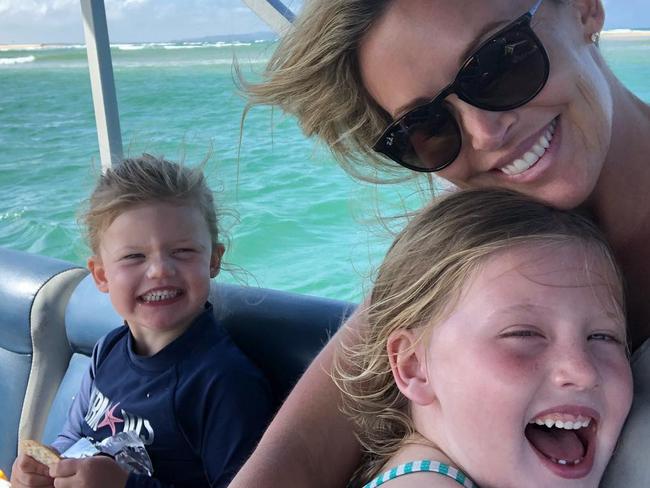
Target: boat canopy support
[(277, 15), (102, 83)]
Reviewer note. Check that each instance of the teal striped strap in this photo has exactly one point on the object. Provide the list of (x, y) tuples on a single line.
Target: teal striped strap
[(421, 467)]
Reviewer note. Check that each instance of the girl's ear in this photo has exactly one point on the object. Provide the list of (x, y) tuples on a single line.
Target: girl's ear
[(215, 259), (591, 15), (98, 273), (406, 353)]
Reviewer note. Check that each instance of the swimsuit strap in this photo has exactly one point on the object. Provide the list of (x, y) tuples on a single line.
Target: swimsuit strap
[(423, 466)]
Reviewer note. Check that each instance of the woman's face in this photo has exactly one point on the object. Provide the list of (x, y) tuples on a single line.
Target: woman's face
[(415, 50)]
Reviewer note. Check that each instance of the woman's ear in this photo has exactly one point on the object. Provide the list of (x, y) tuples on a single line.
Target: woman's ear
[(591, 15), (215, 259), (98, 273), (406, 353)]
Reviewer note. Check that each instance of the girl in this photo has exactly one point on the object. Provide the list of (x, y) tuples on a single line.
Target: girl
[(495, 350), (534, 109)]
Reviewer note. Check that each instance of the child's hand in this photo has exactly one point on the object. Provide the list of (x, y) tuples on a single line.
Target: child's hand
[(93, 472), (27, 472)]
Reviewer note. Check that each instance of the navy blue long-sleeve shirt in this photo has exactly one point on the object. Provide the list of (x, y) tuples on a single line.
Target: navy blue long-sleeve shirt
[(199, 405)]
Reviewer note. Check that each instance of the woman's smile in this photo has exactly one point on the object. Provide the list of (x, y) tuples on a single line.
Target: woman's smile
[(533, 155)]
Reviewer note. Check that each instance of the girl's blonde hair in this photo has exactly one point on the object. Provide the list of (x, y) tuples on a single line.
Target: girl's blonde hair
[(422, 276), (146, 179)]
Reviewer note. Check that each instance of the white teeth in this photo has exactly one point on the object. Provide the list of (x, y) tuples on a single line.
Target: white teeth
[(539, 150), (530, 157), (579, 422), (564, 461), (156, 296), (544, 141)]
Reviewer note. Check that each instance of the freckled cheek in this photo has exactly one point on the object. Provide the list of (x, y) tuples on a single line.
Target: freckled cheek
[(618, 376), (493, 379), (509, 367)]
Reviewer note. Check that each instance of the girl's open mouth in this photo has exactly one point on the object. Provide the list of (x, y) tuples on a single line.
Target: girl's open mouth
[(565, 443)]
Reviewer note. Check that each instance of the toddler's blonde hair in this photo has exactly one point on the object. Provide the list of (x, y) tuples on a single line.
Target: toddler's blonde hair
[(146, 179)]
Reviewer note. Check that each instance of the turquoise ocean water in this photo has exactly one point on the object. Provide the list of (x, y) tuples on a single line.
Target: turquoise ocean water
[(296, 221)]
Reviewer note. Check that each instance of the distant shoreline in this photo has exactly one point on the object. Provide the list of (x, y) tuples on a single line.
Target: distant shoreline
[(21, 47), (614, 34), (625, 34)]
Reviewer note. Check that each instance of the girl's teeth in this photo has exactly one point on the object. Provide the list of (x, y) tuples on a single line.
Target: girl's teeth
[(564, 461), (531, 157), (159, 295), (575, 424)]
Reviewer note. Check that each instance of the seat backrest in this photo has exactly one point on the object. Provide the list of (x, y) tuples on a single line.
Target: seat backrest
[(281, 332), (34, 291)]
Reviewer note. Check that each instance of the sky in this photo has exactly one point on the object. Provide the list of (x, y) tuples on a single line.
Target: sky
[(59, 21)]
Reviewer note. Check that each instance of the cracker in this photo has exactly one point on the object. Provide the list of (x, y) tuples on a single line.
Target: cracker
[(43, 454)]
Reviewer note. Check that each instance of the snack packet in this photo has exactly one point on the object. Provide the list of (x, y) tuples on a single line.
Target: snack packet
[(125, 447)]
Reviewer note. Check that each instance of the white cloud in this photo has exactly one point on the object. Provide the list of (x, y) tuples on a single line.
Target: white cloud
[(32, 21), (19, 8)]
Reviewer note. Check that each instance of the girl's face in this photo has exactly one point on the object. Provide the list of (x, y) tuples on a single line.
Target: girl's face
[(415, 50), (535, 339)]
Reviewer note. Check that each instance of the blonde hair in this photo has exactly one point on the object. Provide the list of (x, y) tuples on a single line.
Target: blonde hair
[(146, 179), (314, 75), (419, 281)]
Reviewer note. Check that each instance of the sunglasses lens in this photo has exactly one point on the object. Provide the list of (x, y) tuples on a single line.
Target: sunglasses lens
[(506, 72), (428, 140)]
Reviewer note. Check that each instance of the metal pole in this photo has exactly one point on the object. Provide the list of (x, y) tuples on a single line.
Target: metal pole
[(277, 15), (101, 81)]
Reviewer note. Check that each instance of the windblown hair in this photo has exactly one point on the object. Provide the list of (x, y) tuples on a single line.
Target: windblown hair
[(419, 283), (146, 179), (314, 75)]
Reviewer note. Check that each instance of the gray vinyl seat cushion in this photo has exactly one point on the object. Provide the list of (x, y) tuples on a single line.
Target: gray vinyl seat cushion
[(51, 315)]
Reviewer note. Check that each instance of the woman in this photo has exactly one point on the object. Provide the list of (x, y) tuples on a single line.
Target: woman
[(534, 109)]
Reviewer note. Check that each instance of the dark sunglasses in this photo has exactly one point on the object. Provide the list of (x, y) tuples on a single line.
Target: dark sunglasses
[(505, 72)]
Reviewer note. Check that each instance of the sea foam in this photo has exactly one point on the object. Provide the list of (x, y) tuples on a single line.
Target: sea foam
[(18, 60)]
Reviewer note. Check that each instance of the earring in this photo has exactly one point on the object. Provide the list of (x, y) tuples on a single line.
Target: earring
[(595, 38)]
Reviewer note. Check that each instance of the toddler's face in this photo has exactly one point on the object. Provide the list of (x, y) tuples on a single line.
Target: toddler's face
[(156, 261), (534, 341)]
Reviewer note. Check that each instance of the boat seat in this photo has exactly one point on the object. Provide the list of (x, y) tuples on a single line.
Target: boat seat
[(52, 315), (34, 351)]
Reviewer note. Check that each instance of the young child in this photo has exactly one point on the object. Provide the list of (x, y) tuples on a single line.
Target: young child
[(496, 350), (172, 374)]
